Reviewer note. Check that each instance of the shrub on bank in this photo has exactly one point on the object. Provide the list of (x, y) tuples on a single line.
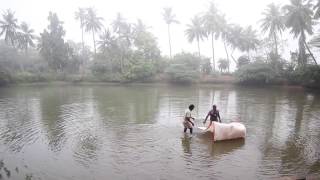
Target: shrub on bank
[(5, 78), (140, 71), (184, 68), (255, 73), (308, 76), (181, 74), (28, 77)]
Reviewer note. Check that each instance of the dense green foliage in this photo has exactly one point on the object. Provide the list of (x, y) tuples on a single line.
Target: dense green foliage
[(308, 76), (255, 73), (52, 46), (127, 51), (184, 68)]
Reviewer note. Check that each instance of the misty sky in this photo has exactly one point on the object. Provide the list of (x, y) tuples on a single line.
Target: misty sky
[(243, 12)]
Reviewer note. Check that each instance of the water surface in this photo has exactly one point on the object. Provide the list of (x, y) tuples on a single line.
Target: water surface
[(135, 132)]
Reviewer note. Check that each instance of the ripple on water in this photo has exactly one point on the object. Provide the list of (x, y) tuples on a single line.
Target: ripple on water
[(96, 138), (19, 125)]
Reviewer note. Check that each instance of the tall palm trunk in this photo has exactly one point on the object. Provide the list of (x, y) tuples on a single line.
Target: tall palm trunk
[(169, 40), (82, 64), (234, 60), (82, 39), (94, 43), (26, 50), (121, 62), (314, 59), (275, 43), (198, 47), (226, 50), (302, 51), (213, 60)]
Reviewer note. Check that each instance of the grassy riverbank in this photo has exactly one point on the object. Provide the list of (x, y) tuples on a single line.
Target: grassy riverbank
[(207, 80)]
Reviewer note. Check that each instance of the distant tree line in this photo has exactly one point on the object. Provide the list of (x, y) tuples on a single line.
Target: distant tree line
[(124, 51)]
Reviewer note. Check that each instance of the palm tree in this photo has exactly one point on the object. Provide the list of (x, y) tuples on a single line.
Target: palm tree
[(212, 20), (273, 22), (106, 41), (225, 33), (122, 28), (223, 64), (93, 23), (169, 18), (123, 41), (298, 16), (195, 30), (248, 40), (140, 26), (81, 15), (243, 39), (234, 38), (9, 26), (119, 24), (26, 37), (317, 10)]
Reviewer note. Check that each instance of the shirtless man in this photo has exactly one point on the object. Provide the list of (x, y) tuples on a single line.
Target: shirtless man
[(214, 116)]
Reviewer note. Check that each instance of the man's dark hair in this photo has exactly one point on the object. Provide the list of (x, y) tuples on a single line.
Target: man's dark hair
[(191, 107), (214, 107)]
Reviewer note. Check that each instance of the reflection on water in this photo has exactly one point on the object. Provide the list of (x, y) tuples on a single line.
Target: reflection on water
[(185, 142), (217, 149), (135, 132)]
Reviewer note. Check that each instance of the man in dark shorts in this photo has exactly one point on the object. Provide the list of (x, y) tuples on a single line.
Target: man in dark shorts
[(214, 115), (187, 122)]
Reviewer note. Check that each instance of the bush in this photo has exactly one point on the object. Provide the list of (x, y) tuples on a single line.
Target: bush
[(181, 74), (255, 73), (98, 68), (184, 68), (27, 77), (243, 60), (5, 78), (309, 76), (140, 71)]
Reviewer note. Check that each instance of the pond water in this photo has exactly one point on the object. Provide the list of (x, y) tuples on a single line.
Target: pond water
[(135, 132)]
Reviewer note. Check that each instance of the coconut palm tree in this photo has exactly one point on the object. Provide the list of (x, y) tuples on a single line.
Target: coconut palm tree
[(106, 41), (273, 23), (248, 40), (243, 39), (195, 30), (25, 37), (225, 33), (81, 16), (169, 18), (93, 23), (9, 26), (233, 38), (316, 7), (119, 24), (212, 21), (140, 26), (223, 64), (299, 16)]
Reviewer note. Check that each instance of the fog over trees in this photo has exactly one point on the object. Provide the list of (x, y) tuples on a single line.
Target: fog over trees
[(128, 51)]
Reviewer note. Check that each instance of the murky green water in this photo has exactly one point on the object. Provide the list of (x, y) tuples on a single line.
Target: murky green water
[(135, 132)]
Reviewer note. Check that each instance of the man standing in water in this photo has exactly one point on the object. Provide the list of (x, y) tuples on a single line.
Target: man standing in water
[(187, 123), (214, 115)]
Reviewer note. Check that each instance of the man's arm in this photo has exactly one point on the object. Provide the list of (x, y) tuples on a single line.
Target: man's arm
[(188, 119), (209, 125), (219, 116), (205, 120)]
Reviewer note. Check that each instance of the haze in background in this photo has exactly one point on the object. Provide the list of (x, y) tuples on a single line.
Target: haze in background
[(244, 12)]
